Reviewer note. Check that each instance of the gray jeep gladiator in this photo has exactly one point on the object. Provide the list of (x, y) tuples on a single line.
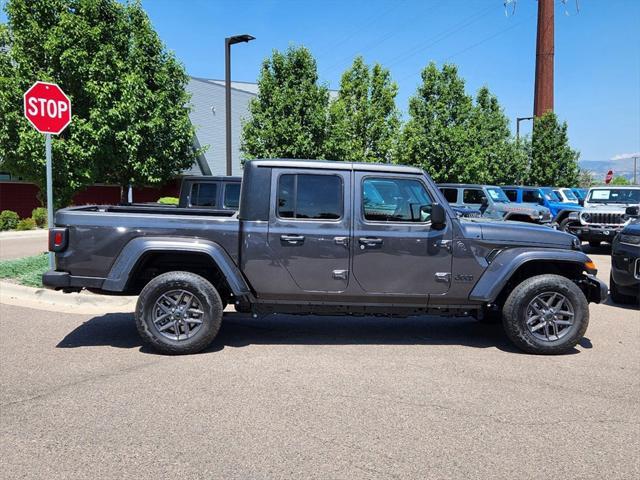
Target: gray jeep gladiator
[(320, 237)]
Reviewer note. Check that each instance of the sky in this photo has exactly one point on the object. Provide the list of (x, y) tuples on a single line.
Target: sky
[(597, 51)]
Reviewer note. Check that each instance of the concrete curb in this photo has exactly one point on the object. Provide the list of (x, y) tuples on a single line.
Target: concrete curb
[(44, 299)]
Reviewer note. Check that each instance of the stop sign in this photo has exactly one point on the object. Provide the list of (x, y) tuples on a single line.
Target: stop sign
[(609, 177), (47, 107)]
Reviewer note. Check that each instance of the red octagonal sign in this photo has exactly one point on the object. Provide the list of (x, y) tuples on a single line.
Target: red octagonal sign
[(47, 107)]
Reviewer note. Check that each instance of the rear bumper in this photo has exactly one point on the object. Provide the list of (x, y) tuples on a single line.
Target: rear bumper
[(56, 280)]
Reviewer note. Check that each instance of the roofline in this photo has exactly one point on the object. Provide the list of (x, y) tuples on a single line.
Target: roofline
[(333, 165), (467, 185)]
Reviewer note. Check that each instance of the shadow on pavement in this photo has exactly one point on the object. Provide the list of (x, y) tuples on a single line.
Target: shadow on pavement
[(240, 330)]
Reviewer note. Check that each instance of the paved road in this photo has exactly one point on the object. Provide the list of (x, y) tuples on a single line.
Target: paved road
[(16, 245), (288, 397)]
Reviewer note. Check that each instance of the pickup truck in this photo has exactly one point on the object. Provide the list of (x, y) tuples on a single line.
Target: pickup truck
[(320, 237)]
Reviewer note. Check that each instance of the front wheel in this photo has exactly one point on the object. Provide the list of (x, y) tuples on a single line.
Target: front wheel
[(179, 313), (546, 314), (564, 224)]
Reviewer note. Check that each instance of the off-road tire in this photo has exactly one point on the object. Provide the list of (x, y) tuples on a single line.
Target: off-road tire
[(621, 298), (208, 298), (594, 243), (565, 223), (515, 315)]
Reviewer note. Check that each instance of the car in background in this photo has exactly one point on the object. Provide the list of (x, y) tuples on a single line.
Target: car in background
[(605, 213), (580, 193), (492, 203), (566, 195), (624, 282), (546, 197)]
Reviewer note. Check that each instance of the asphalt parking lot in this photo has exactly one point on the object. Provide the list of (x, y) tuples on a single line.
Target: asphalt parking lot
[(317, 397)]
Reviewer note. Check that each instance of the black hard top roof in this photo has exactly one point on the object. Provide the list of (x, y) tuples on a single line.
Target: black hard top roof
[(332, 165)]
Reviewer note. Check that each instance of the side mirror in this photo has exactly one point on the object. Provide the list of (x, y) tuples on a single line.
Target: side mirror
[(438, 216), (632, 211)]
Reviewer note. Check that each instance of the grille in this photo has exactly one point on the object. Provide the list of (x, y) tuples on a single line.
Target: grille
[(606, 218)]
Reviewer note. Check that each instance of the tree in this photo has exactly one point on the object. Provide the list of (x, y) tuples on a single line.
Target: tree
[(553, 162), (436, 136), (586, 178), (289, 115), (494, 157), (364, 121), (130, 108), (620, 180)]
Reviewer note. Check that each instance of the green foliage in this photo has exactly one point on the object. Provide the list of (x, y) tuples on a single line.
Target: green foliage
[(620, 180), (39, 216), (364, 121), (27, 271), (289, 115), (26, 224), (456, 139), (8, 220), (168, 200), (127, 92), (586, 179), (553, 162)]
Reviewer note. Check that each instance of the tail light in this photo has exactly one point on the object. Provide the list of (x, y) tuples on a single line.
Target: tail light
[(58, 239)]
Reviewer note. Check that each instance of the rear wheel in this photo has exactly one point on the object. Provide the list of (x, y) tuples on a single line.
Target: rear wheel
[(179, 313), (546, 314)]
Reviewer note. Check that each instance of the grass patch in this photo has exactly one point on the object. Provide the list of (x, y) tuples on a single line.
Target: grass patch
[(26, 271)]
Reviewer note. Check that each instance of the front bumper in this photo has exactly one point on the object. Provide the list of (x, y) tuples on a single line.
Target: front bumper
[(57, 280), (596, 290), (595, 232)]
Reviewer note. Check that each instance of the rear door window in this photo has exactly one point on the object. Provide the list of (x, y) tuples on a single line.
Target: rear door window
[(309, 196), (472, 196), (232, 195), (204, 194), (511, 194), (531, 196), (450, 194)]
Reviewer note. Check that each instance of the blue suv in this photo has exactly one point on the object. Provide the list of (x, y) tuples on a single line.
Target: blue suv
[(545, 196)]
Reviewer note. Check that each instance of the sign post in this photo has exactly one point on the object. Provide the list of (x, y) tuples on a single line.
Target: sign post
[(48, 109)]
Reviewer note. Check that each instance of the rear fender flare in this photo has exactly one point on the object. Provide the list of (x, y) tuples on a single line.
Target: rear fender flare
[(134, 250), (506, 263)]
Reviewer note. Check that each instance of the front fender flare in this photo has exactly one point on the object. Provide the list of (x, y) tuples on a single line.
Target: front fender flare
[(121, 269), (506, 263)]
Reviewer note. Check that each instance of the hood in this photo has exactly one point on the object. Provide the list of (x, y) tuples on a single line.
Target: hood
[(526, 234), (524, 208), (565, 206), (609, 208)]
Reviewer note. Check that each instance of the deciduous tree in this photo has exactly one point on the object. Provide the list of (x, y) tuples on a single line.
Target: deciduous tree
[(289, 115), (364, 121)]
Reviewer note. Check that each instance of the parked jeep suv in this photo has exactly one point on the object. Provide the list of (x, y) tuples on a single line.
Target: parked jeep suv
[(625, 264), (604, 215), (543, 196), (492, 203)]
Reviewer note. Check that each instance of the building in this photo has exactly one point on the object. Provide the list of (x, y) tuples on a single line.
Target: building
[(208, 117)]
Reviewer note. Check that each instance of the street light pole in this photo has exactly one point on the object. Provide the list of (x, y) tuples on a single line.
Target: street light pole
[(518, 120), (227, 80)]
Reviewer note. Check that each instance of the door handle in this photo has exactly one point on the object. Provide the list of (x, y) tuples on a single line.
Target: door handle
[(292, 239), (369, 242), (344, 241)]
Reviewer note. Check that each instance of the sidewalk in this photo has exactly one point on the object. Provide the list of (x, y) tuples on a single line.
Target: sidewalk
[(16, 244)]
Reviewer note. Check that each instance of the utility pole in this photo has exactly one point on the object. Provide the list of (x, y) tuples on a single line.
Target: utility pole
[(543, 96)]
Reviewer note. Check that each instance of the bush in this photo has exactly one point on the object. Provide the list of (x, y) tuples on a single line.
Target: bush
[(39, 216), (26, 224), (168, 201), (8, 220)]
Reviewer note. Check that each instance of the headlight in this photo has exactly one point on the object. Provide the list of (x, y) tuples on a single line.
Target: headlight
[(585, 217), (629, 239)]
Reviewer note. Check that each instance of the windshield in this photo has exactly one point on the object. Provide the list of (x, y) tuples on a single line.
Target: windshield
[(618, 195), (550, 195), (497, 195), (569, 194)]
